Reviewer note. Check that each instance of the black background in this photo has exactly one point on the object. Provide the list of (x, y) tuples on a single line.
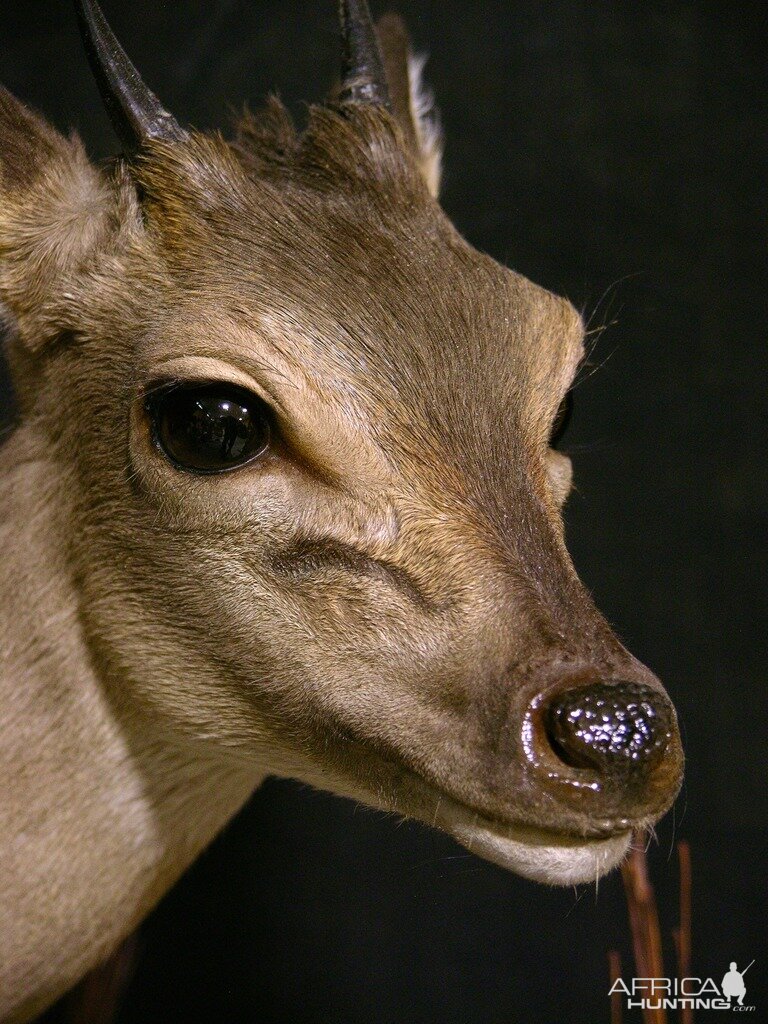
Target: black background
[(616, 154)]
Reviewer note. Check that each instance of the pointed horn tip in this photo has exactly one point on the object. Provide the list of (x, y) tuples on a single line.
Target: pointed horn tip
[(135, 112)]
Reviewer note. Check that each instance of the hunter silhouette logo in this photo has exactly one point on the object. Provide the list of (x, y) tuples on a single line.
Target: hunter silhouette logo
[(682, 993), (733, 983)]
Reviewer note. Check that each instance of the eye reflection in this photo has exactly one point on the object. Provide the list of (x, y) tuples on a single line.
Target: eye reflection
[(210, 428)]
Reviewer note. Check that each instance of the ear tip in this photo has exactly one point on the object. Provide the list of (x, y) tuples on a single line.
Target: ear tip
[(393, 32), (10, 106), (26, 142), (392, 20)]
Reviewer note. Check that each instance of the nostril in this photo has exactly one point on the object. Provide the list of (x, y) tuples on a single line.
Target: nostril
[(611, 727)]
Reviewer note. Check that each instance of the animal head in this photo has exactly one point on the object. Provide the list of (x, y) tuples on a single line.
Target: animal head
[(301, 435)]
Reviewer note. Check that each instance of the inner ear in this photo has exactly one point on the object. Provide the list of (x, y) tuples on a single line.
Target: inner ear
[(412, 102), (53, 210)]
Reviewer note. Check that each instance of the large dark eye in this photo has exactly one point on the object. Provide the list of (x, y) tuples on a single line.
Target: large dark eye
[(209, 428), (562, 419)]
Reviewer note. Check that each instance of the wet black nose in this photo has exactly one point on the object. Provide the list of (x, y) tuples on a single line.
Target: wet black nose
[(614, 728)]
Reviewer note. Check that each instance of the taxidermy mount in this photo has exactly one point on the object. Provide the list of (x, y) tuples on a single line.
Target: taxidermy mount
[(284, 498)]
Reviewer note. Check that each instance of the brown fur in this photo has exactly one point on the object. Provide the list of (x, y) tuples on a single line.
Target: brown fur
[(371, 608)]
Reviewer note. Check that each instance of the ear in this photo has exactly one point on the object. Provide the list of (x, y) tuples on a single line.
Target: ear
[(53, 212), (412, 102)]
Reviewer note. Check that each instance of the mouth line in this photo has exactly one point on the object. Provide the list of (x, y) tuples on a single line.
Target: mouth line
[(554, 857), (448, 809), (521, 831), (541, 855)]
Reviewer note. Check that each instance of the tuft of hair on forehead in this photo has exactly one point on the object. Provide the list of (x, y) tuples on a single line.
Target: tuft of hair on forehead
[(346, 149), (207, 188), (345, 146), (266, 141)]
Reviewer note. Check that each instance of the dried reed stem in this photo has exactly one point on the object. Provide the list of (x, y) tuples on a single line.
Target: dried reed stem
[(99, 996), (644, 924), (614, 970), (683, 933)]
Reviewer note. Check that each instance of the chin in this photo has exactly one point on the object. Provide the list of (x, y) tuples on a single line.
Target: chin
[(543, 856)]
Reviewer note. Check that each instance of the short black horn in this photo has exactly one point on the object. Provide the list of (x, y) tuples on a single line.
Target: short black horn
[(363, 77), (135, 111)]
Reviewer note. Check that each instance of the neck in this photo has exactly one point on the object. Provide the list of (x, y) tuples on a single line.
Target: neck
[(101, 811)]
